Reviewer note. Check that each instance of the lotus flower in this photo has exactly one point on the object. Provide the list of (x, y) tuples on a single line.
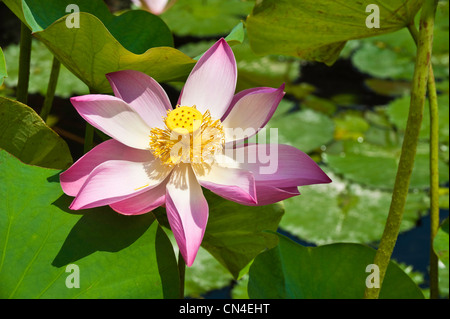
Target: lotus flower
[(154, 6), (162, 156)]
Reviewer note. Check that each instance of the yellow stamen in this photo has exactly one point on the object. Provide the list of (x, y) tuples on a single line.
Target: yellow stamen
[(196, 141)]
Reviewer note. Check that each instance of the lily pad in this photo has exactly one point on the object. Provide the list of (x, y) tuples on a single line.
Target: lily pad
[(336, 271), (24, 134), (375, 165), (345, 212), (306, 130), (116, 256), (397, 111), (318, 31)]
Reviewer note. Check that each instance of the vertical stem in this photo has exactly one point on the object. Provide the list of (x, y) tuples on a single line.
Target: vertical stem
[(24, 64), (434, 173), (409, 147), (51, 89), (434, 183), (182, 273)]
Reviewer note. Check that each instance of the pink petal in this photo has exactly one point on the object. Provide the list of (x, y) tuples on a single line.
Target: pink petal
[(142, 203), (278, 165), (114, 117), (154, 6), (143, 94), (267, 194), (116, 180), (250, 111), (233, 184), (187, 211), (212, 82), (73, 178)]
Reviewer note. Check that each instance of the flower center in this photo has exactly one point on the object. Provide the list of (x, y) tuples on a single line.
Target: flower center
[(184, 117), (189, 137)]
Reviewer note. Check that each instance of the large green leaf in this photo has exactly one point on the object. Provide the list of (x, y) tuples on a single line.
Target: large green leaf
[(91, 51), (236, 234), (136, 30), (205, 18), (117, 256), (25, 135), (336, 271), (318, 30), (105, 43)]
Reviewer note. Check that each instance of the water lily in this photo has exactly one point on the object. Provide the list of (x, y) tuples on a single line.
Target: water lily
[(154, 6), (159, 155)]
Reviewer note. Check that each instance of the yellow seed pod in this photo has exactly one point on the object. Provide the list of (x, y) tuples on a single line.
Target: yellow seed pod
[(184, 118)]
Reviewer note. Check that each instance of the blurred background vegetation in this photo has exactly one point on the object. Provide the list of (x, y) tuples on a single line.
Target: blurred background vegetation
[(350, 117)]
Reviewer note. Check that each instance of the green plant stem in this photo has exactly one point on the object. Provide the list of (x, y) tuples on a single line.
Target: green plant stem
[(48, 101), (434, 184), (434, 172), (24, 64), (182, 273), (409, 147)]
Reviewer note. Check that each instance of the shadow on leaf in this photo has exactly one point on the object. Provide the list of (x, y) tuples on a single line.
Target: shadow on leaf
[(101, 229)]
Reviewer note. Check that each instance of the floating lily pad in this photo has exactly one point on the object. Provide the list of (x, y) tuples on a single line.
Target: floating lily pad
[(25, 135), (374, 165), (345, 212), (306, 130), (398, 109), (117, 256), (335, 271)]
